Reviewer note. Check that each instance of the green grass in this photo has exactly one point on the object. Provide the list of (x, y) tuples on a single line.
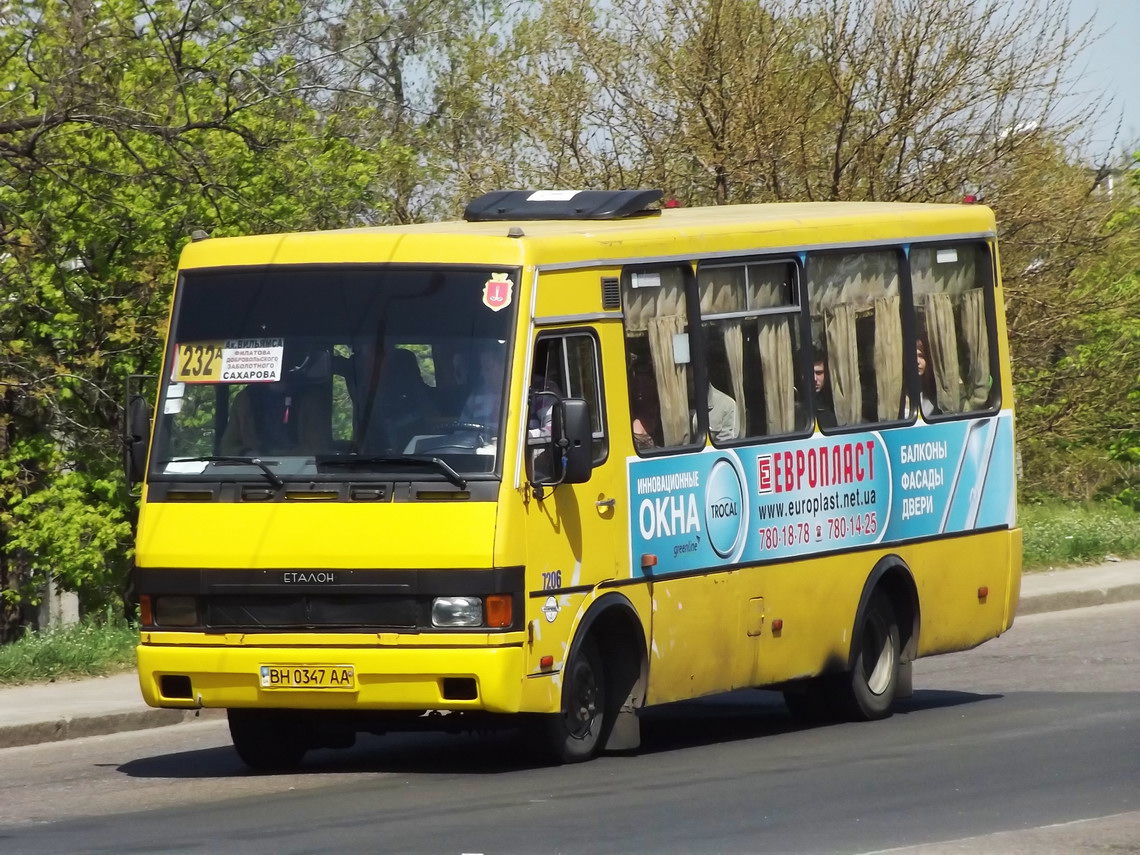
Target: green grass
[(91, 648), (1058, 535)]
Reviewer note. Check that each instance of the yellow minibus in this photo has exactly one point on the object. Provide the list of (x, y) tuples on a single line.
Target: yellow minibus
[(575, 455)]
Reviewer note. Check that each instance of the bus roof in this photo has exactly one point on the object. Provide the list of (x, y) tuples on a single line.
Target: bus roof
[(674, 233)]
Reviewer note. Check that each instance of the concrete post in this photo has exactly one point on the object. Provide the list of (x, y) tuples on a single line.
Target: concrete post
[(58, 608)]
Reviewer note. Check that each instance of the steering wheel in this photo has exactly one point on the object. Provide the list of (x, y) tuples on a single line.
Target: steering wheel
[(456, 437), (453, 427)]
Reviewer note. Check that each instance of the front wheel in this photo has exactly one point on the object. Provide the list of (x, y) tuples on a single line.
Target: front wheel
[(267, 740), (575, 734), (869, 689)]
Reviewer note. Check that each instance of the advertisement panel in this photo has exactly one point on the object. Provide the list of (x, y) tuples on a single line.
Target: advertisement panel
[(722, 507)]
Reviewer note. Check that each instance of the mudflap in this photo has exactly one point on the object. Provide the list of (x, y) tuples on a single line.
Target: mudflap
[(625, 735)]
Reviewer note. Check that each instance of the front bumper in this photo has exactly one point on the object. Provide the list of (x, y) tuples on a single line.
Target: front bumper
[(389, 678)]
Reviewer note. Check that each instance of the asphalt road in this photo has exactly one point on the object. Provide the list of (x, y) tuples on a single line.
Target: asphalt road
[(1030, 743)]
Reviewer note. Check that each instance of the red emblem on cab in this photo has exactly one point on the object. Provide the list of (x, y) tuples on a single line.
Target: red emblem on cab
[(497, 292)]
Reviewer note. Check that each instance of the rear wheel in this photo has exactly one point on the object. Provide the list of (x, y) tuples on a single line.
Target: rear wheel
[(575, 734), (869, 690), (268, 740)]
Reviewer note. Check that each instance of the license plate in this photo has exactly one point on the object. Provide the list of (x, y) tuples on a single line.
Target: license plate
[(331, 677)]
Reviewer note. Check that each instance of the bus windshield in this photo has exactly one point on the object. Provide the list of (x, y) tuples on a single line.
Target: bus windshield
[(336, 372)]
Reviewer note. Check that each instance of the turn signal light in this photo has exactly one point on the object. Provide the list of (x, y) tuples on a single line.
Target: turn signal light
[(498, 609), (146, 611)]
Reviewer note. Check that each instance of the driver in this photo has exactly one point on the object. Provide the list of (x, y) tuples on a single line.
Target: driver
[(485, 400)]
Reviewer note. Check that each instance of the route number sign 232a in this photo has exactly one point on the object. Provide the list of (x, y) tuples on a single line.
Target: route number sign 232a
[(198, 363)]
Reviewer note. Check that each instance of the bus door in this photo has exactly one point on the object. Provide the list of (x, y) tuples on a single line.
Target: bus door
[(571, 529)]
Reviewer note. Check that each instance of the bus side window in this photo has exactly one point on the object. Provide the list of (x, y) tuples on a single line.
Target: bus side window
[(953, 304), (565, 365), (656, 321), (750, 316), (856, 318)]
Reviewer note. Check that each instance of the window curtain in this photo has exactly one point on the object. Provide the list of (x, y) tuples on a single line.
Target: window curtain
[(734, 348), (722, 289), (639, 305), (976, 337), (768, 286), (888, 357), (843, 363), (778, 368), (930, 276), (943, 354), (672, 390)]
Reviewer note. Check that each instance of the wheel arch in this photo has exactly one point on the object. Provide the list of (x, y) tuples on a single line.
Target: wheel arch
[(893, 576), (613, 624)]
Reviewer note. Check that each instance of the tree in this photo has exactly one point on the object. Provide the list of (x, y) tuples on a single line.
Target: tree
[(124, 127), (421, 77)]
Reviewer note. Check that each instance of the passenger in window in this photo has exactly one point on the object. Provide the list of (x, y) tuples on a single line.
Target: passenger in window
[(642, 437), (283, 416), (722, 415), (927, 400), (824, 405), (644, 408), (543, 393), (257, 421)]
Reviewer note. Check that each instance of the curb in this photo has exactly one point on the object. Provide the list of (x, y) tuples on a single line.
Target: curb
[(62, 729), (1059, 601)]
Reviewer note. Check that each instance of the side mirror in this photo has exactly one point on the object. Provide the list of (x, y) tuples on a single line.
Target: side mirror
[(571, 435), (136, 433)]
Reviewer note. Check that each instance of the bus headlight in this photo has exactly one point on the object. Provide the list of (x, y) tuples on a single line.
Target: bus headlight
[(175, 611), (457, 611)]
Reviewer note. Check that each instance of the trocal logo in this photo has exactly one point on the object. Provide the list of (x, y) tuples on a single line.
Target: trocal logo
[(723, 508), (724, 504)]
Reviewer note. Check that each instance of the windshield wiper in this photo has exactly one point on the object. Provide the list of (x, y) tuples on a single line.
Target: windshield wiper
[(269, 474), (406, 460)]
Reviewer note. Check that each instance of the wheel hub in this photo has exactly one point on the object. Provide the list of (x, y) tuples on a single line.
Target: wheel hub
[(584, 702)]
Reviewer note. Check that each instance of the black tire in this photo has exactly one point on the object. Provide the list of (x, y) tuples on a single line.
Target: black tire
[(868, 691), (267, 740), (576, 734)]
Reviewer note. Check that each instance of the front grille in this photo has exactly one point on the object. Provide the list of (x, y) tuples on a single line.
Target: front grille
[(334, 600), (311, 611)]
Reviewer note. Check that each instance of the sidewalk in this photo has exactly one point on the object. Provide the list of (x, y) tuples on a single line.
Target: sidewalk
[(51, 712)]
